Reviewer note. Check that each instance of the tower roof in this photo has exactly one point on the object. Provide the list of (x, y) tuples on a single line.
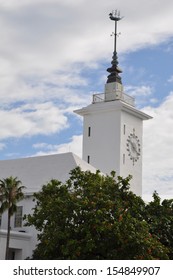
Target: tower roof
[(36, 171)]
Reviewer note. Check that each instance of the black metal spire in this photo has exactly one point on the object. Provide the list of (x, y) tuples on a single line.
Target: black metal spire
[(114, 70)]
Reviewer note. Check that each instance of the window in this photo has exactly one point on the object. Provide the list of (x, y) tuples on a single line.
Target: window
[(18, 217), (88, 159), (89, 131), (124, 158), (124, 129)]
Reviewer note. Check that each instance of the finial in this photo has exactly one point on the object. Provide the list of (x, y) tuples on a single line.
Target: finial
[(114, 70)]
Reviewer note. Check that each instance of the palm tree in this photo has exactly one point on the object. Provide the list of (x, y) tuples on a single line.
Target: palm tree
[(10, 193)]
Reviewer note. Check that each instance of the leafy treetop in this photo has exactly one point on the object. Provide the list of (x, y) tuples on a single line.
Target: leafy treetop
[(92, 217)]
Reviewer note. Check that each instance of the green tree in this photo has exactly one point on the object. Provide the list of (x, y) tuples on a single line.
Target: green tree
[(10, 193), (159, 215), (92, 217)]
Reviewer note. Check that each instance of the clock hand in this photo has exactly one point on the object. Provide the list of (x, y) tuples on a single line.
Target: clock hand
[(133, 147)]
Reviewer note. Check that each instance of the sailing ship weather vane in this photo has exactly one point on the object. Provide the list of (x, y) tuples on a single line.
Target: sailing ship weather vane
[(114, 70)]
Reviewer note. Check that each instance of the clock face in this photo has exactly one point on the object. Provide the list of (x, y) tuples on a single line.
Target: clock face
[(133, 147)]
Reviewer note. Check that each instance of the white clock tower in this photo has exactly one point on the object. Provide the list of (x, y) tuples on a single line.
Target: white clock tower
[(113, 128)]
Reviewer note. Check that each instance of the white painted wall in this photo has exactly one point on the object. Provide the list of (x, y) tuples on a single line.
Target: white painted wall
[(131, 122), (23, 238), (107, 142), (20, 243), (103, 146)]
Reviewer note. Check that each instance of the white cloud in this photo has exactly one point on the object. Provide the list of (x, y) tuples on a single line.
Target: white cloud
[(74, 146), (2, 146), (170, 80), (46, 43), (138, 90), (29, 120), (158, 149), (153, 100), (42, 146), (48, 35), (142, 94)]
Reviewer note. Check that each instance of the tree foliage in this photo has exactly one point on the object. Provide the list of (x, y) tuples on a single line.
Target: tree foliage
[(92, 217), (159, 216), (10, 193)]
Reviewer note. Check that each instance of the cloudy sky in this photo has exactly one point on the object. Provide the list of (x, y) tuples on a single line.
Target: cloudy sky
[(53, 57)]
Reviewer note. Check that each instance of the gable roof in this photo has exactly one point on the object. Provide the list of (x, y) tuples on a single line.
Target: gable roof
[(33, 172)]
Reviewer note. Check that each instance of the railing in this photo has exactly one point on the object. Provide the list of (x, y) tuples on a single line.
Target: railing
[(101, 97), (98, 97), (128, 99)]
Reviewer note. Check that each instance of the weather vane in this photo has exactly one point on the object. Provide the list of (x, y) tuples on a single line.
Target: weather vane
[(114, 69), (115, 16)]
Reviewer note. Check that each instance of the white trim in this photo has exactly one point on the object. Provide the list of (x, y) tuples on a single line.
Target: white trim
[(15, 235), (112, 106)]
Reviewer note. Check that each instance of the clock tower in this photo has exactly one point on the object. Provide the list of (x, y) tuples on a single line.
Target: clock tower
[(113, 127)]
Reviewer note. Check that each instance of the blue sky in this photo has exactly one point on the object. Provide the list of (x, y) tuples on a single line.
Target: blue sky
[(54, 55)]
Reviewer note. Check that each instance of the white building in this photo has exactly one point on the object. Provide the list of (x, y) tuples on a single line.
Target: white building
[(112, 140), (33, 173)]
